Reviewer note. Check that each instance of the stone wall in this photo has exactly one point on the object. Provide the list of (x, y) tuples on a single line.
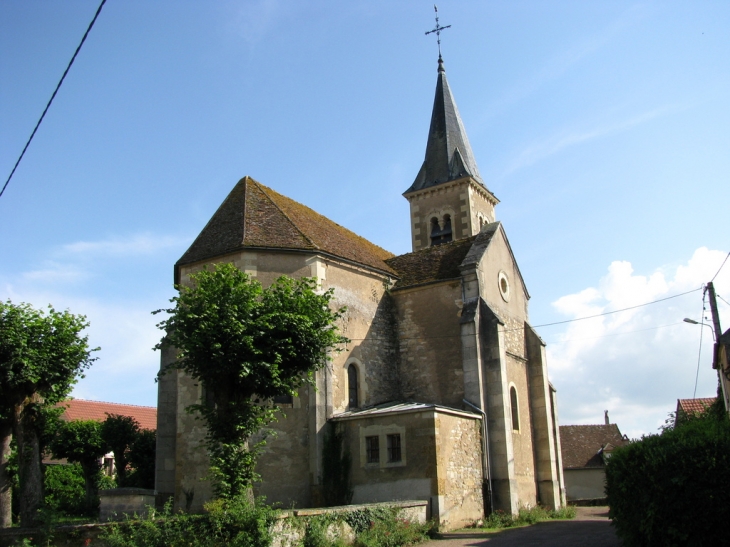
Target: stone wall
[(430, 343), (290, 463), (460, 479), (121, 503), (463, 200), (441, 462)]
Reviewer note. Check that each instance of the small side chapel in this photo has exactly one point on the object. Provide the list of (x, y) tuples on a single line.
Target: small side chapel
[(443, 393)]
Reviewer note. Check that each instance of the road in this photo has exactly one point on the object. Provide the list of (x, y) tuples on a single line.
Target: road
[(590, 527)]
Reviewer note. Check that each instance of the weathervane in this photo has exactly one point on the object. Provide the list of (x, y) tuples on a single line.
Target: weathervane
[(437, 29)]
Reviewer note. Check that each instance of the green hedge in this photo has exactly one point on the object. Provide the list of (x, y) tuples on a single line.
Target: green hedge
[(673, 488)]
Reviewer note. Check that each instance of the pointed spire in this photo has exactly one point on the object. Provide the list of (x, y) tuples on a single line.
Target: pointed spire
[(448, 152)]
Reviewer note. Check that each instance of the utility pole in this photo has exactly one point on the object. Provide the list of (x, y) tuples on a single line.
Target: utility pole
[(716, 364)]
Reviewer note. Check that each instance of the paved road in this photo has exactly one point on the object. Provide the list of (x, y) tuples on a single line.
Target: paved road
[(590, 527)]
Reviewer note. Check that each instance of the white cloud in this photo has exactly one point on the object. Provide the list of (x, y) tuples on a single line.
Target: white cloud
[(91, 278), (135, 245), (635, 363)]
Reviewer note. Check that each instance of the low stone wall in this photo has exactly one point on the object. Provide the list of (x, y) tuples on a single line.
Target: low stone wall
[(287, 532), (118, 503)]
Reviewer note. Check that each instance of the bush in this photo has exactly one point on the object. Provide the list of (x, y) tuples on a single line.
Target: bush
[(388, 529), (236, 523), (672, 489), (241, 523), (64, 485)]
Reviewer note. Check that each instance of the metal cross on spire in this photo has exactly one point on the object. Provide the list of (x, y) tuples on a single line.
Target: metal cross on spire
[(437, 29)]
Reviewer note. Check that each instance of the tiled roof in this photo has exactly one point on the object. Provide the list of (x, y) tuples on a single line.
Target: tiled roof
[(695, 406), (580, 445), (436, 263), (79, 409), (254, 216)]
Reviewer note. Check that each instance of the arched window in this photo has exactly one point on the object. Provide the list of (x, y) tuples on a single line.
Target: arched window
[(446, 232), (435, 231), (515, 409), (441, 235), (352, 400)]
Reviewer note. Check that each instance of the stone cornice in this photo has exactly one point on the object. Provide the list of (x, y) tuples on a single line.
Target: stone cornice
[(468, 180)]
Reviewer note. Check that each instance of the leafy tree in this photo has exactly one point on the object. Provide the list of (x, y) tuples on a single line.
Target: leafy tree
[(80, 441), (41, 357), (246, 345), (142, 459), (119, 433)]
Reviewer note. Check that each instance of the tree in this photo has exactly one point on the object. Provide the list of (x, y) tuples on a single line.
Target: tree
[(142, 459), (120, 433), (246, 345), (80, 441), (41, 357)]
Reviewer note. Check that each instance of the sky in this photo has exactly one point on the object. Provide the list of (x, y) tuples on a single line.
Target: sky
[(603, 128)]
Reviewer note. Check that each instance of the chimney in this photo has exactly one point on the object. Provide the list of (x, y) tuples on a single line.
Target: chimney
[(605, 416)]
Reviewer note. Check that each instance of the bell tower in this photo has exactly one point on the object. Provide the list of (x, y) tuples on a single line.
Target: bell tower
[(448, 199)]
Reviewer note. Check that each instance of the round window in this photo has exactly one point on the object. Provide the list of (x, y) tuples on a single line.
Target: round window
[(503, 285)]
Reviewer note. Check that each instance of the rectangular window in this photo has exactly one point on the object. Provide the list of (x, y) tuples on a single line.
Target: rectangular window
[(394, 454), (283, 400), (372, 446)]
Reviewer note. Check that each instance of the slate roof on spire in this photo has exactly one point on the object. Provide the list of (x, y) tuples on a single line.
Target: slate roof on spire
[(448, 152), (254, 216)]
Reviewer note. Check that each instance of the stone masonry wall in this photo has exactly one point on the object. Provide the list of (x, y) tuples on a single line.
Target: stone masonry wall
[(430, 344), (460, 476)]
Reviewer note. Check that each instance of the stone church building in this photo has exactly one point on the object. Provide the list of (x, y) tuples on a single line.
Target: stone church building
[(443, 392)]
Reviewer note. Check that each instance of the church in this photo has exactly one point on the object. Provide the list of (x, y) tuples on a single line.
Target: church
[(442, 393)]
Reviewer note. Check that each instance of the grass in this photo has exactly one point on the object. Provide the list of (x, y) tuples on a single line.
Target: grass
[(526, 517)]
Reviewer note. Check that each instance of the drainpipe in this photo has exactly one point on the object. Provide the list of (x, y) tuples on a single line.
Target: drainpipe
[(486, 462)]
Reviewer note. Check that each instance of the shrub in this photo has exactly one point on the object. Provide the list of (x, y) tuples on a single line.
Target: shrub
[(316, 531), (64, 485), (671, 489), (236, 522), (388, 529)]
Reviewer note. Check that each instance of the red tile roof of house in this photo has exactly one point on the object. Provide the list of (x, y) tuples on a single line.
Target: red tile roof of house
[(694, 406), (79, 409)]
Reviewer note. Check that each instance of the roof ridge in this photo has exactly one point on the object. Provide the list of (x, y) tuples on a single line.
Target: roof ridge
[(245, 209), (298, 229), (104, 403)]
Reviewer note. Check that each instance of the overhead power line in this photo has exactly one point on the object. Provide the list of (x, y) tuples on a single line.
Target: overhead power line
[(614, 311), (98, 11), (699, 351), (549, 324), (721, 265)]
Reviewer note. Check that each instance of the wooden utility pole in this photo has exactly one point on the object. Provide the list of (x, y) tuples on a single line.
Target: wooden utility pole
[(716, 354)]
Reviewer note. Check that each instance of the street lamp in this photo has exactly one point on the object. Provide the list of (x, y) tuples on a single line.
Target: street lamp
[(693, 322)]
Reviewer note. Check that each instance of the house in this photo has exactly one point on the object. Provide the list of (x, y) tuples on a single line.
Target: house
[(585, 450), (81, 409), (443, 393), (692, 407)]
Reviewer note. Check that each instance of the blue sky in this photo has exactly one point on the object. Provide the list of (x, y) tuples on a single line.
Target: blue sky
[(601, 126)]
